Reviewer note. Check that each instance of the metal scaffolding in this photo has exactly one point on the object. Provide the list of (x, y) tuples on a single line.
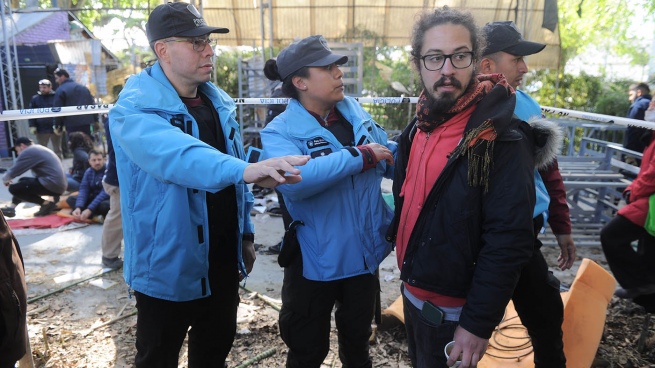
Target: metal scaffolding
[(12, 94)]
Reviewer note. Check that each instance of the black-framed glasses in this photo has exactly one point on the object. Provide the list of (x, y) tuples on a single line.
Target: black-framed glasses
[(460, 60), (199, 43)]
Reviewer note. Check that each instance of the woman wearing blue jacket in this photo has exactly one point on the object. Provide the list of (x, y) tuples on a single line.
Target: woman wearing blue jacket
[(339, 206)]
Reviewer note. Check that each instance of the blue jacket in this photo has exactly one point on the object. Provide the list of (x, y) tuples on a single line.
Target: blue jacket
[(345, 217), (165, 172), (527, 108), (91, 192), (634, 136)]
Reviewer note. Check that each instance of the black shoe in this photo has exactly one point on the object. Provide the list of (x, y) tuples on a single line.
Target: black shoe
[(46, 209), (8, 211), (112, 262), (632, 293), (275, 249)]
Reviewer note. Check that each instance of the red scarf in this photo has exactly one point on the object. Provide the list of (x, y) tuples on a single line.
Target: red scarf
[(482, 85), (481, 131)]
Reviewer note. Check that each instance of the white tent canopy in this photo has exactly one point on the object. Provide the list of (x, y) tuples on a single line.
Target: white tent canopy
[(277, 23)]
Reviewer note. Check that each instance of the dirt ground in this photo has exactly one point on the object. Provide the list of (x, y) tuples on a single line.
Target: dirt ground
[(93, 324), (66, 328)]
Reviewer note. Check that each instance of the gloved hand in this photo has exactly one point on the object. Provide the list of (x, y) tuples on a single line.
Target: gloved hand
[(33, 130)]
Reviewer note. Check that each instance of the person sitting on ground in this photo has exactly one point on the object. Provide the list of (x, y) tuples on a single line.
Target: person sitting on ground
[(633, 269), (49, 178), (80, 144), (92, 200)]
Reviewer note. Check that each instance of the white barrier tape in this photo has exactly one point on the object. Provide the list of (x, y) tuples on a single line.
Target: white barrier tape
[(597, 117), (53, 112), (9, 115), (104, 108)]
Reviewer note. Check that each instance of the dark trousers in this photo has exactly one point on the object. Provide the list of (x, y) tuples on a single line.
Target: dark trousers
[(162, 325), (426, 340), (101, 209), (539, 305), (29, 190), (630, 268), (306, 314)]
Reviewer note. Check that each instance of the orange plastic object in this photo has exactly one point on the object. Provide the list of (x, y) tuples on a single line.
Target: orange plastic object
[(585, 305)]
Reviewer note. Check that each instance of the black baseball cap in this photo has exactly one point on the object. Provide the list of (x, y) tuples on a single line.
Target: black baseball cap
[(21, 140), (505, 36), (177, 20), (310, 51)]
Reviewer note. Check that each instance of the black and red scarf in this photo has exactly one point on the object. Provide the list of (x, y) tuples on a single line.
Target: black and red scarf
[(490, 92)]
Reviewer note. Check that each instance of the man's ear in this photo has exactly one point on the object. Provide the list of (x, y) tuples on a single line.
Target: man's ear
[(161, 51), (486, 66)]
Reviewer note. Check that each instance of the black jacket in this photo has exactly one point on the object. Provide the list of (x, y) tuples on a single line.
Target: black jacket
[(42, 125), (13, 298), (70, 93), (471, 241)]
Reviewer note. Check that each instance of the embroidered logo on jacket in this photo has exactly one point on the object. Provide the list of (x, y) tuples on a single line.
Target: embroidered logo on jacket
[(317, 142)]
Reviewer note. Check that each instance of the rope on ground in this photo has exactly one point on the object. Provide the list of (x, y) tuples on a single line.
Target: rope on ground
[(257, 358), (264, 298), (29, 301), (111, 321)]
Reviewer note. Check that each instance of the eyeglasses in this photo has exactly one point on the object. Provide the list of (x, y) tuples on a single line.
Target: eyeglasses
[(199, 44), (460, 60)]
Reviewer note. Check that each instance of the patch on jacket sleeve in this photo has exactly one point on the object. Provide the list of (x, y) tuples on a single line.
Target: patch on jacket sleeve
[(319, 153), (317, 142)]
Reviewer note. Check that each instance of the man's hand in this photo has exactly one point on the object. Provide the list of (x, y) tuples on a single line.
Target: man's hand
[(381, 153), (470, 346), (567, 251), (275, 171), (86, 215), (7, 183), (76, 213), (249, 255)]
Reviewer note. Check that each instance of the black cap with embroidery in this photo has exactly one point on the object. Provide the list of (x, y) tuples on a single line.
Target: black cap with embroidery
[(178, 20)]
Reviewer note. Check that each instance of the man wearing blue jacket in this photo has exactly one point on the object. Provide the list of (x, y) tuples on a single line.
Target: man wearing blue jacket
[(639, 95), (184, 196), (92, 200)]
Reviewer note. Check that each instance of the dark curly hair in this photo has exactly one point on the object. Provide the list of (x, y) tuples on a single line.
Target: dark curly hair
[(80, 139), (446, 15)]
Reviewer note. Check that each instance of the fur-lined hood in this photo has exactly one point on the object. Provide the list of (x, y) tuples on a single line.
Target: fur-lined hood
[(548, 139)]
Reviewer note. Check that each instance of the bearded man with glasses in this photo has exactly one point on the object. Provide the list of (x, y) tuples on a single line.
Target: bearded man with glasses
[(464, 194), (185, 202)]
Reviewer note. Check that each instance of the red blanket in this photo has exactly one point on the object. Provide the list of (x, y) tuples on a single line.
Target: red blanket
[(45, 222)]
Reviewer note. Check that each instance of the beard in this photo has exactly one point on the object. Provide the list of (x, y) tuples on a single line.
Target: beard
[(442, 103)]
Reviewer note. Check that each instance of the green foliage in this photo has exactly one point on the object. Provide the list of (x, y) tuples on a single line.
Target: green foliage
[(576, 93), (226, 70), (384, 65), (605, 24), (580, 93)]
